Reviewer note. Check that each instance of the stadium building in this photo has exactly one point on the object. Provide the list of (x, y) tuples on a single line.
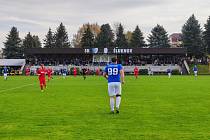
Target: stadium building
[(157, 59)]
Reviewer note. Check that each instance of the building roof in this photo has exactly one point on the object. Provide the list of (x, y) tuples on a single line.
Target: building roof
[(69, 51), (176, 36)]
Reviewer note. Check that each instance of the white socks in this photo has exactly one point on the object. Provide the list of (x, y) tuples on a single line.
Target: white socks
[(112, 103), (118, 100)]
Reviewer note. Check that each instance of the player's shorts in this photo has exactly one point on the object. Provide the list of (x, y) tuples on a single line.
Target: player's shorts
[(196, 72), (114, 88), (64, 74), (5, 74), (42, 81)]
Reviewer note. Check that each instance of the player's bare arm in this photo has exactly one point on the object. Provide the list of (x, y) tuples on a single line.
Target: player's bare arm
[(105, 75), (122, 74)]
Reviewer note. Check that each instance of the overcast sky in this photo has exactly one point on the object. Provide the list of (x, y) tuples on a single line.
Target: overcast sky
[(36, 16)]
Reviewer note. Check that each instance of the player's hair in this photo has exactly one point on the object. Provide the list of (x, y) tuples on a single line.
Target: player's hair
[(114, 59)]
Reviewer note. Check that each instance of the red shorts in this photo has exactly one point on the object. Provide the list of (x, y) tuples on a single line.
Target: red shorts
[(42, 81), (135, 74)]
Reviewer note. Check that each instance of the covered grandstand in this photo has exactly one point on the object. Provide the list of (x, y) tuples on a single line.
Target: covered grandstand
[(158, 59), (127, 56)]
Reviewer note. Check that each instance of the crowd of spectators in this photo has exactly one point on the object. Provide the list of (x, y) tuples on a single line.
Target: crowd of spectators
[(124, 60), (76, 61)]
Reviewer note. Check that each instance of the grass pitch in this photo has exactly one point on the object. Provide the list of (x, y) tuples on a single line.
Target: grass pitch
[(152, 108)]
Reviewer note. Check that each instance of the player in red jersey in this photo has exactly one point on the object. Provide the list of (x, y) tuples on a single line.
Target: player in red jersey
[(97, 71), (49, 73), (27, 71), (75, 71), (41, 73), (136, 72)]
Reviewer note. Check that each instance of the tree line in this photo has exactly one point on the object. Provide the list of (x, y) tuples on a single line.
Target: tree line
[(196, 40)]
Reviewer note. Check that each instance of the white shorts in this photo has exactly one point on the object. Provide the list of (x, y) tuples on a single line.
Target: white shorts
[(64, 74), (5, 74), (195, 72), (114, 88)]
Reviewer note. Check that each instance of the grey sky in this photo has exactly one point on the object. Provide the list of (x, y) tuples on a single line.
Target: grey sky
[(37, 16)]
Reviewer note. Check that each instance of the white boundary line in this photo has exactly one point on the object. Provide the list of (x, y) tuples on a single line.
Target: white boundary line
[(1, 91)]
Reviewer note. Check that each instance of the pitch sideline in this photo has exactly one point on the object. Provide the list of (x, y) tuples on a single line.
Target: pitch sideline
[(19, 87)]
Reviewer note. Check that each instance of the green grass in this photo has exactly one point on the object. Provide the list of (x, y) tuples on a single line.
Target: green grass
[(152, 108)]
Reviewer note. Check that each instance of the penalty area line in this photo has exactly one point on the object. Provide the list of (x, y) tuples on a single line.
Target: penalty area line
[(19, 87)]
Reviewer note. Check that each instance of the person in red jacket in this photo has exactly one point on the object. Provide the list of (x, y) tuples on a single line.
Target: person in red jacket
[(136, 72), (49, 73), (41, 72), (75, 71)]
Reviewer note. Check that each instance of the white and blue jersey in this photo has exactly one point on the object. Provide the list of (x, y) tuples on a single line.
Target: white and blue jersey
[(169, 70), (113, 72), (114, 84), (64, 71), (195, 69), (5, 70)]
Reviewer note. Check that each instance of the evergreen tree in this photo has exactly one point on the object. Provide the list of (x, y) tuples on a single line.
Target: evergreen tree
[(121, 41), (207, 35), (12, 46), (28, 41), (49, 41), (192, 37), (61, 37), (31, 41), (158, 38), (137, 39), (87, 40), (105, 37), (36, 42)]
